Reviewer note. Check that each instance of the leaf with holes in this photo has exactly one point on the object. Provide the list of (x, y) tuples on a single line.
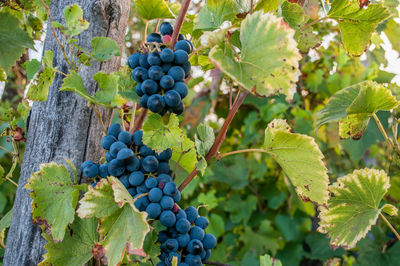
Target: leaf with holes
[(268, 59), (54, 199), (74, 22), (300, 159), (122, 227), (354, 206)]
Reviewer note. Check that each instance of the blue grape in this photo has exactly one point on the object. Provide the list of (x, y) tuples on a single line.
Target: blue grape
[(164, 156), (133, 60), (187, 67), (154, 37), (116, 147), (191, 213), (91, 171), (109, 157), (114, 130), (181, 214), (191, 45), (171, 244), (150, 163), (196, 233), (149, 87), (201, 222), (142, 189), (177, 73), (156, 103), (146, 151), (132, 191), (207, 256), (193, 260), (167, 218), (172, 98), (153, 210), (125, 155), (134, 165), (143, 61), (139, 90), (195, 247), (183, 264), (183, 240), (85, 163), (178, 109), (136, 178), (93, 184), (167, 55), (156, 73), (125, 137), (166, 67), (115, 168), (164, 178), (139, 74), (154, 59), (107, 141), (103, 170), (181, 57), (143, 100), (170, 189), (151, 182), (137, 138), (167, 203), (167, 82), (181, 37), (182, 226), (177, 196), (181, 88), (162, 236), (124, 181), (155, 194), (163, 168), (141, 202), (183, 45), (166, 28), (209, 241)]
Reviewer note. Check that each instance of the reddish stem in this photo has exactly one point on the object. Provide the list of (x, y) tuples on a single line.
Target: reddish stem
[(140, 119), (179, 22), (220, 138)]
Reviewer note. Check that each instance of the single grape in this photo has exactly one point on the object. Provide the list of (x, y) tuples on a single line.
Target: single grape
[(155, 194), (156, 103), (156, 73), (191, 213), (181, 214), (154, 37), (124, 181), (114, 130), (109, 157), (115, 167), (164, 178), (164, 156), (139, 90), (167, 55), (91, 171), (182, 226), (196, 233), (167, 203), (141, 202), (181, 37), (167, 39), (187, 67), (195, 247), (171, 257), (125, 137), (146, 151), (84, 164), (137, 138), (193, 260), (154, 59), (171, 244), (183, 45), (181, 88), (139, 74), (136, 178), (163, 168), (116, 147), (166, 28), (201, 222), (143, 61), (149, 87), (166, 67), (142, 189), (183, 240), (167, 218), (207, 256), (151, 182), (167, 82), (209, 241), (125, 155), (150, 163), (170, 189), (181, 57), (134, 165), (143, 100), (153, 210), (133, 60), (103, 170), (191, 45), (177, 73), (172, 98), (177, 196), (107, 141), (178, 109)]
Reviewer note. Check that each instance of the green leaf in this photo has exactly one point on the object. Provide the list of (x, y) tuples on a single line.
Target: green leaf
[(160, 135), (267, 5), (390, 209), (201, 165), (185, 154), (364, 98), (267, 260), (353, 126), (4, 224), (353, 207), (108, 87), (319, 247), (392, 31), (214, 13), (13, 40), (204, 139), (293, 14), (76, 247), (260, 68), (104, 48), (122, 227), (54, 199), (357, 24), (39, 89), (74, 21), (126, 83), (32, 67), (152, 9), (306, 39), (300, 159), (1, 172)]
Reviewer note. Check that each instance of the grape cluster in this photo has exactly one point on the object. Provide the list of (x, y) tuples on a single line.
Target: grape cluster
[(147, 177), (161, 73)]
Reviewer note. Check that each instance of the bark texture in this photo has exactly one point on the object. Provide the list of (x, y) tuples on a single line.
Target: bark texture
[(64, 126)]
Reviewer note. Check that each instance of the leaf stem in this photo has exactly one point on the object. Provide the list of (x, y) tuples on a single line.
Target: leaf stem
[(179, 22), (157, 25), (390, 226), (10, 173), (382, 130), (220, 156), (219, 139), (145, 29)]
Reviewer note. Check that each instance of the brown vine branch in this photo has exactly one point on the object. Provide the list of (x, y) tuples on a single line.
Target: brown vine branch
[(219, 139), (179, 22), (140, 119)]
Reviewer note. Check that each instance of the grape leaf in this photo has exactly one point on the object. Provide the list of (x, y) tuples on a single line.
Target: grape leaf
[(13, 40), (300, 159), (4, 224), (74, 21), (268, 59), (392, 31), (185, 154), (357, 24), (364, 99), (306, 39), (151, 9), (126, 83), (293, 14), (54, 199), (267, 5), (39, 89), (204, 139), (32, 67), (76, 247), (214, 13), (353, 126), (122, 227), (267, 260), (353, 207), (108, 86), (104, 48)]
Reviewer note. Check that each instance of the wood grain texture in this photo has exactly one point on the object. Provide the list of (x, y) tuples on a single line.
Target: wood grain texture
[(64, 126)]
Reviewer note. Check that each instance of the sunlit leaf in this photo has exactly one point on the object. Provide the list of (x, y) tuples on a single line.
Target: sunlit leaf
[(74, 21), (32, 67), (104, 48), (204, 139), (152, 9), (214, 13), (267, 260), (267, 5)]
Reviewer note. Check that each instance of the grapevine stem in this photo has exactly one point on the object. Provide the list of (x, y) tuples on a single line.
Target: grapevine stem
[(179, 22), (251, 6), (230, 95), (145, 30), (240, 151), (111, 118), (219, 139), (390, 226), (7, 150), (132, 118), (382, 130), (140, 119)]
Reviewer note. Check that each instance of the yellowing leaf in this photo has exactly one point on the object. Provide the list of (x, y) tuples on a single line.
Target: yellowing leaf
[(74, 21), (354, 206), (300, 159), (353, 126), (268, 60), (54, 199)]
